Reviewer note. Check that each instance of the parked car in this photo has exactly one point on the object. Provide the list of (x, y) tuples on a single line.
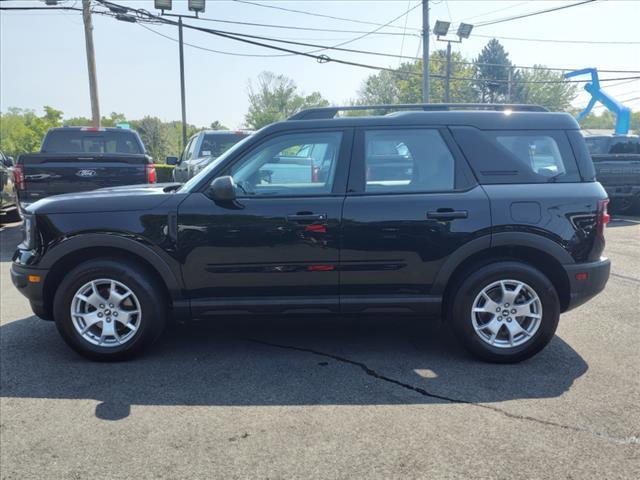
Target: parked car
[(8, 201), (617, 162), (202, 149), (492, 221), (77, 159)]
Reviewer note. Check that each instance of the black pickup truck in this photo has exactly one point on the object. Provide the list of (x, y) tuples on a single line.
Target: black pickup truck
[(77, 159), (616, 159)]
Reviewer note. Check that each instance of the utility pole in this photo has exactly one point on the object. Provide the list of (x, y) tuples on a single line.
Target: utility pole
[(425, 51), (447, 97), (510, 78), (182, 91), (91, 63)]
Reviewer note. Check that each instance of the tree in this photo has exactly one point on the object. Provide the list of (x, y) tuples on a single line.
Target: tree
[(216, 125), (492, 72), (155, 136), (404, 85), (275, 98), (556, 95), (21, 131)]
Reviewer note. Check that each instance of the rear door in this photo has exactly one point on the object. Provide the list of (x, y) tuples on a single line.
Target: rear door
[(411, 203)]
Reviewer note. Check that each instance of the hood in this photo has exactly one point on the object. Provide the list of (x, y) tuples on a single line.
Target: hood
[(114, 199)]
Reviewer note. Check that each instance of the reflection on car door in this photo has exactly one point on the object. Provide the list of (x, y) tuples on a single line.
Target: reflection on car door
[(276, 248)]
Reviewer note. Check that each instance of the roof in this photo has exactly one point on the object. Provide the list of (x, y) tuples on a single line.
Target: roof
[(483, 120)]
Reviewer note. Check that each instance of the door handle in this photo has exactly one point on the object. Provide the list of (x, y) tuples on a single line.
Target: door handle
[(307, 217), (447, 214)]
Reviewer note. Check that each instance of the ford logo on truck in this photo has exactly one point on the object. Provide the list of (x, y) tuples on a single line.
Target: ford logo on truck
[(85, 172)]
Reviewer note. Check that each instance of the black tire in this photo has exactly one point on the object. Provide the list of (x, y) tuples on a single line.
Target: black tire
[(135, 277), (465, 294)]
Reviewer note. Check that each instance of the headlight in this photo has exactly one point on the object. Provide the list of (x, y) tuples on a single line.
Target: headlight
[(28, 233)]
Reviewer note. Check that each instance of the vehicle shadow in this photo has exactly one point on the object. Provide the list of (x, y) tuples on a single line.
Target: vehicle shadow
[(280, 362)]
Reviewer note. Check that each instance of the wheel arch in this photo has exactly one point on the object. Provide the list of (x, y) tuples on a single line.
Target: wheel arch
[(72, 252), (542, 253)]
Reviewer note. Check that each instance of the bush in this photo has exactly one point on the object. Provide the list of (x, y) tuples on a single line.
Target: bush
[(164, 172)]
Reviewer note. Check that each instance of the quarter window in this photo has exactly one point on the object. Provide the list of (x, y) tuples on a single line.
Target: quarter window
[(540, 153), (407, 160), (292, 164)]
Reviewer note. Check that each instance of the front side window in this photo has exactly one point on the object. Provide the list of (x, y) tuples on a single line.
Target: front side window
[(407, 160), (188, 154), (286, 165)]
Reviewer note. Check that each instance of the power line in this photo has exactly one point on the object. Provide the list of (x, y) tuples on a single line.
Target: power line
[(531, 14), (363, 22), (311, 29), (549, 40)]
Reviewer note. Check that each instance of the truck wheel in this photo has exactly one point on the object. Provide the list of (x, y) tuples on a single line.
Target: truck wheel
[(109, 309), (505, 312)]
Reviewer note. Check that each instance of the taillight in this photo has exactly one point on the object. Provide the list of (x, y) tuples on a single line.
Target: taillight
[(315, 170), (151, 173), (18, 177), (603, 215)]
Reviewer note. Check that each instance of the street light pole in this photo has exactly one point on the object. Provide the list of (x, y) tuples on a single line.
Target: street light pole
[(425, 51), (182, 89), (448, 75)]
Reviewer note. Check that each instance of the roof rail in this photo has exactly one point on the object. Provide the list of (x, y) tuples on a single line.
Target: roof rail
[(330, 112)]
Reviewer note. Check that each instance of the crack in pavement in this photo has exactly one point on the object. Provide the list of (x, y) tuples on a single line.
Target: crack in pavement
[(624, 277), (372, 373)]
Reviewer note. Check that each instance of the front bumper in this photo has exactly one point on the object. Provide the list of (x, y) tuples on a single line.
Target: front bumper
[(34, 291), (584, 289)]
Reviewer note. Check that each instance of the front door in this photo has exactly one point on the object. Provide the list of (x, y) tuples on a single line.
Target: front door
[(276, 248), (411, 203)]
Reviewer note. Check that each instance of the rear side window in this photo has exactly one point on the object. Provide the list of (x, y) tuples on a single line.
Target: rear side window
[(80, 141), (545, 155), (539, 151), (407, 160)]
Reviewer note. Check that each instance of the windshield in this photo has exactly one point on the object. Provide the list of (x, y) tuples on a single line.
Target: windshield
[(215, 144), (188, 187)]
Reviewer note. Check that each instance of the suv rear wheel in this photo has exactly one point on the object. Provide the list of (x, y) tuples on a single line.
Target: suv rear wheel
[(109, 310), (505, 312)]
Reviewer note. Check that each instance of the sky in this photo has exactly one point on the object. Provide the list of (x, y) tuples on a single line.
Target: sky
[(43, 59)]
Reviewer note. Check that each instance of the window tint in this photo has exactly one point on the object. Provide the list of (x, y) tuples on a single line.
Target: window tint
[(625, 146), (293, 164), (79, 141), (540, 153), (215, 144), (407, 160)]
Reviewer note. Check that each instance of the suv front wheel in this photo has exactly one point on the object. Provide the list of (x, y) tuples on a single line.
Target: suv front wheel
[(505, 312), (109, 310)]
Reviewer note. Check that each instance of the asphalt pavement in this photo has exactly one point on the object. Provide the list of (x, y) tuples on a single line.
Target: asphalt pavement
[(327, 398)]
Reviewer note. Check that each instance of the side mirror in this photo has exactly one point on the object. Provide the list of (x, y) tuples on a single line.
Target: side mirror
[(172, 160), (223, 189)]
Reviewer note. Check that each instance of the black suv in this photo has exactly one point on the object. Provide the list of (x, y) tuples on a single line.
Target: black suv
[(489, 219)]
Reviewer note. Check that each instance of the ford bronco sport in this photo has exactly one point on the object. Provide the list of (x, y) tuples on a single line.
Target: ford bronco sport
[(488, 217)]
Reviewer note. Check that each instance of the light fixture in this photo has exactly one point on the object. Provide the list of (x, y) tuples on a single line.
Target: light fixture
[(464, 30), (163, 4), (197, 5), (441, 28)]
